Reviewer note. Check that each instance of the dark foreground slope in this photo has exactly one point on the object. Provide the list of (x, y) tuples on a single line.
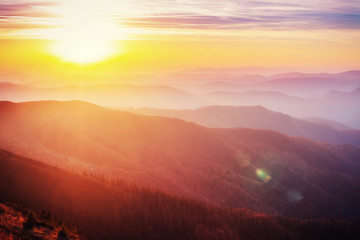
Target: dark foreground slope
[(121, 211), (16, 224), (261, 118), (264, 171)]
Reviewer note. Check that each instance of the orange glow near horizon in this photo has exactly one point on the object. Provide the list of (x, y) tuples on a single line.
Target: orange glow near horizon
[(151, 56), (112, 37)]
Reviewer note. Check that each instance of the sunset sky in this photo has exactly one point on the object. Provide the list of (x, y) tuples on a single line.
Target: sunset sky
[(113, 36)]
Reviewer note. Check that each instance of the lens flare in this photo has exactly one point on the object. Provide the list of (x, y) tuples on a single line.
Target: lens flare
[(294, 196), (263, 175)]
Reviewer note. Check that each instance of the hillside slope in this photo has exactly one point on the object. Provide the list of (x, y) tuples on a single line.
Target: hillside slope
[(122, 211), (261, 170), (15, 224), (258, 117)]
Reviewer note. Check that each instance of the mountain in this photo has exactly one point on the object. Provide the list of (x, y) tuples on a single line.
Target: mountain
[(339, 106), (275, 101), (9, 90), (342, 95), (257, 169), (113, 209), (239, 70), (211, 86), (305, 85), (201, 81), (259, 117), (352, 74), (231, 75), (120, 95), (299, 84), (355, 122), (310, 86), (337, 125)]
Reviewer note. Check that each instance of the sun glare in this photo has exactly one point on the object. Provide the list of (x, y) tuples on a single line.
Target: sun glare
[(83, 49), (84, 35)]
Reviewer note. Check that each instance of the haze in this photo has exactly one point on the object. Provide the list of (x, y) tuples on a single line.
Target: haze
[(175, 120)]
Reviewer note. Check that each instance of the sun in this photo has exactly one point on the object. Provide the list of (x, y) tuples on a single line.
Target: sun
[(83, 49), (84, 33)]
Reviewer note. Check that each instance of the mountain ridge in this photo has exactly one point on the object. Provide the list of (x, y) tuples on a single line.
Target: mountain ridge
[(261, 118), (179, 157)]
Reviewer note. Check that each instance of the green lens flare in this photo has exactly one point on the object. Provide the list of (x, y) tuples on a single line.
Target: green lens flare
[(263, 175)]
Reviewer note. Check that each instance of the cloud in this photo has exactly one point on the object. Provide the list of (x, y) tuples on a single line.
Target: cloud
[(196, 14), (188, 21), (294, 20), (25, 9)]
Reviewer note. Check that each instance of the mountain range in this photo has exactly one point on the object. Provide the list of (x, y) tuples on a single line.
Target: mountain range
[(328, 96), (262, 118), (292, 83), (261, 170)]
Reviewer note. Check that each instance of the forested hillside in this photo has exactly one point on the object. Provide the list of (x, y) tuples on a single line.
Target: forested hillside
[(105, 209), (264, 171)]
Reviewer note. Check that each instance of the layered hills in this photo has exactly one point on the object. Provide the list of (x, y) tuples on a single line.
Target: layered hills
[(261, 170), (336, 101), (262, 118)]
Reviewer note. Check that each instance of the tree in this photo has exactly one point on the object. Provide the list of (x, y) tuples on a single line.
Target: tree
[(31, 220), (62, 235)]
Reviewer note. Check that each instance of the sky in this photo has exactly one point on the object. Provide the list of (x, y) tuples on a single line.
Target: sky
[(106, 36)]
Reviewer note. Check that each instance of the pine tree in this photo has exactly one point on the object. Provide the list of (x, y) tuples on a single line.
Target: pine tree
[(62, 235), (31, 221)]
